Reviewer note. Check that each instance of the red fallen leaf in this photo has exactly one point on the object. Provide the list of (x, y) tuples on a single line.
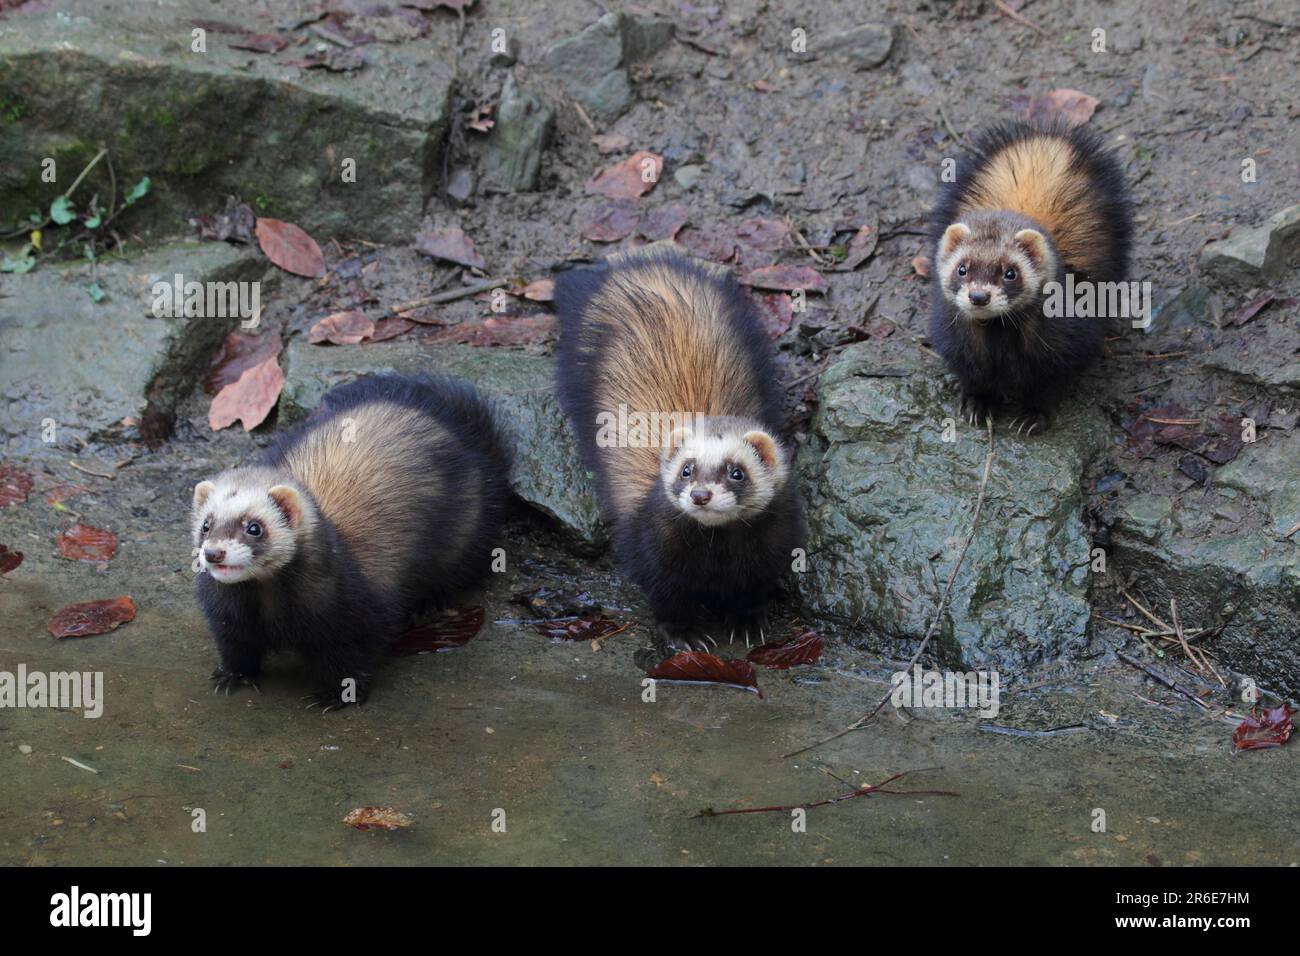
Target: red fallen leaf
[(777, 312), (9, 559), (696, 667), (801, 649), (633, 177), (709, 244), (763, 86), (613, 221), (390, 328), (763, 233), (541, 290), (451, 245), (451, 630), (290, 248), (579, 629), (82, 542), (861, 248), (608, 143), (482, 121), (785, 279), (240, 351), (15, 485), (61, 493), (1271, 728), (376, 818), (92, 617), (260, 42), (1077, 108), (248, 399), (664, 222), (499, 330), (342, 328), (921, 266)]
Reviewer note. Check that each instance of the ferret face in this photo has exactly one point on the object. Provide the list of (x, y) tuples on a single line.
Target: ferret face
[(717, 479), (245, 528), (988, 269)]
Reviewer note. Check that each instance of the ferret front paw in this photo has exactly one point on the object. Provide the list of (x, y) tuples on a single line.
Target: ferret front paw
[(751, 625), (224, 681), (676, 637), (978, 409)]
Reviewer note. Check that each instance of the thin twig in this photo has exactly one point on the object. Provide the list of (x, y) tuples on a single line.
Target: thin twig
[(1162, 679), (97, 474), (858, 792), (938, 615), (1002, 5), (450, 296)]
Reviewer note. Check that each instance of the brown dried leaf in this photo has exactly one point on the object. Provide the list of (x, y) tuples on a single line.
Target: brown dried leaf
[(249, 399), (82, 542), (9, 559), (861, 248), (451, 245), (92, 617), (921, 266), (390, 328), (342, 328), (61, 493), (785, 279), (633, 177), (777, 312), (802, 648), (290, 248), (376, 818), (15, 485), (767, 234), (540, 290), (239, 352), (612, 221), (1076, 108), (664, 222), (260, 42), (608, 143), (500, 330)]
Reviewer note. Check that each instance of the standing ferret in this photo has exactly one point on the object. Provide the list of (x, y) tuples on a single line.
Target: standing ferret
[(386, 501), (1037, 203), (702, 506)]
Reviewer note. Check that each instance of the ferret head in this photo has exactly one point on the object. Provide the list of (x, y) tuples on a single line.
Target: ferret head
[(248, 524), (989, 265), (718, 475)]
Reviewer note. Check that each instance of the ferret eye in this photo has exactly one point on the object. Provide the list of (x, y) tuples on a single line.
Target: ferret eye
[(1010, 275), (737, 474), (686, 472), (207, 526), (961, 270), (253, 529)]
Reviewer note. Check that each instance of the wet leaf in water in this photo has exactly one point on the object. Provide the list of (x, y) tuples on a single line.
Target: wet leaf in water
[(9, 559), (696, 667), (290, 248), (633, 177), (449, 631), (451, 245), (342, 328), (376, 818), (82, 542), (92, 617), (248, 399), (803, 648), (785, 279), (15, 485), (1267, 728)]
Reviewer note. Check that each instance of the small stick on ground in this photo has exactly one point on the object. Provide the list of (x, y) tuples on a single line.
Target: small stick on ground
[(1162, 679), (97, 474), (1178, 630), (938, 614), (1294, 529), (1002, 5), (859, 792), (450, 296)]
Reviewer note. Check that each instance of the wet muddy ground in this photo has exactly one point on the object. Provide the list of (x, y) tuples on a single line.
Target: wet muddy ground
[(555, 738)]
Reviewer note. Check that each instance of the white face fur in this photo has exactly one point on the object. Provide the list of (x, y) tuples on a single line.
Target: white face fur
[(717, 479), (245, 528), (986, 272)]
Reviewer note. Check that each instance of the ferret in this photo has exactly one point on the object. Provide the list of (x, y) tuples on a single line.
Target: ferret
[(1035, 204), (386, 502), (667, 376)]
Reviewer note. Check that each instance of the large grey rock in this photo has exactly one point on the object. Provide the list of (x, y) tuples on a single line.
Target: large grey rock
[(224, 122), (547, 473), (889, 505), (1250, 256), (863, 47), (592, 66), (514, 149), (86, 365)]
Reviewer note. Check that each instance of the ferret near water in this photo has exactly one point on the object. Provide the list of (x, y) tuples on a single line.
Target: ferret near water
[(1035, 204), (702, 504), (387, 501)]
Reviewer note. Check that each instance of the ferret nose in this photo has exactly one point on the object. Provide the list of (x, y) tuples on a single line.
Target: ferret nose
[(701, 496), (980, 298), (214, 555)]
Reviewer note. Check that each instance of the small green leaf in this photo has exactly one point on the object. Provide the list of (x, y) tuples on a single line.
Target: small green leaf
[(94, 221), (18, 264), (61, 211), (138, 191), (96, 293)]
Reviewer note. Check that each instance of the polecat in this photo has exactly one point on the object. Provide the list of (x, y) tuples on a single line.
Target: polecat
[(387, 500), (1035, 204), (667, 376)]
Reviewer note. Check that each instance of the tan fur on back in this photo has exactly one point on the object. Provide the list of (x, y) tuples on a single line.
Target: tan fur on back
[(1034, 177), (366, 487), (672, 352)]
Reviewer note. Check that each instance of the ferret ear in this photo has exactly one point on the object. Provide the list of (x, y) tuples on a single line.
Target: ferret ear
[(676, 438), (289, 503), (765, 445), (1034, 243), (953, 237), (201, 492)]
